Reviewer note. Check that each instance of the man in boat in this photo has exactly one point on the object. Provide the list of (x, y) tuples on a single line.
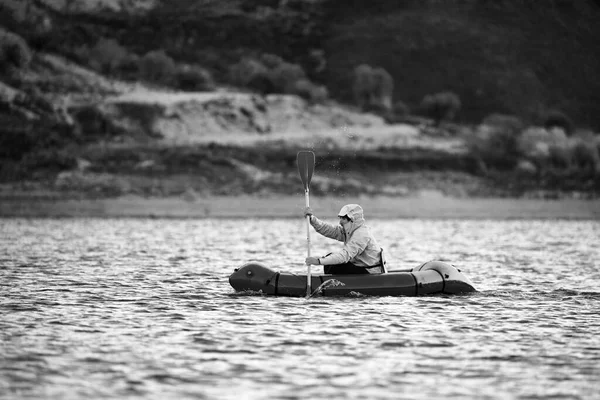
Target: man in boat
[(360, 255)]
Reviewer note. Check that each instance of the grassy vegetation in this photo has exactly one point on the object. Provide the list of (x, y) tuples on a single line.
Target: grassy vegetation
[(502, 71)]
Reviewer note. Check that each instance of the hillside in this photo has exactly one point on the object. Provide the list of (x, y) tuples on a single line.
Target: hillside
[(511, 57), (499, 57), (75, 123)]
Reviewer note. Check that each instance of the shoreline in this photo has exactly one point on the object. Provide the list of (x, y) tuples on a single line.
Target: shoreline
[(427, 206)]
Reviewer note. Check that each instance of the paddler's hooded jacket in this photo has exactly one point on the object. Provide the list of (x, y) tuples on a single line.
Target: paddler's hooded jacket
[(360, 247)]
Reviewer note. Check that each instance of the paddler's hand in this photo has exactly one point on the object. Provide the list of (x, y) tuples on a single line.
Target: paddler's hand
[(308, 211), (312, 261)]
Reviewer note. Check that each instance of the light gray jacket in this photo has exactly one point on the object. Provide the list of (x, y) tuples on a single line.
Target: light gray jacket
[(360, 247)]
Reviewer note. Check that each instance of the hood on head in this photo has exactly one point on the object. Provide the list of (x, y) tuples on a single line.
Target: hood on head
[(353, 211)]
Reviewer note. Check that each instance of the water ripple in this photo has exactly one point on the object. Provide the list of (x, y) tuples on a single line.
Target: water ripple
[(107, 308)]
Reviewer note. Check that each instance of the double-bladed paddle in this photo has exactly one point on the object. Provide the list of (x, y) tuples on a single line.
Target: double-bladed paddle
[(306, 167)]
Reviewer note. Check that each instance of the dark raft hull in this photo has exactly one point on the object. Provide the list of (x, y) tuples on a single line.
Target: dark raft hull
[(429, 278)]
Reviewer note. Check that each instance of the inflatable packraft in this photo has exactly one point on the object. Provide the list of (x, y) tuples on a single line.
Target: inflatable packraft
[(429, 278)]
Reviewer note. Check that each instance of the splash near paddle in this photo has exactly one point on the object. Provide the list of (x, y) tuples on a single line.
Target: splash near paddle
[(306, 167)]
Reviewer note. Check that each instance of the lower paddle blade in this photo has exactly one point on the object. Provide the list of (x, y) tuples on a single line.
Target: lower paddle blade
[(306, 167)]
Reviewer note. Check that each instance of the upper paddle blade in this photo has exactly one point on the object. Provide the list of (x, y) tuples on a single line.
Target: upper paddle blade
[(306, 167)]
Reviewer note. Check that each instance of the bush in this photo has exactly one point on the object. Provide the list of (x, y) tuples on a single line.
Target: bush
[(536, 144), (107, 55), (274, 75), (157, 66), (585, 155), (129, 67), (49, 159), (372, 88), (383, 88), (507, 122), (556, 118), (559, 156), (20, 136), (262, 84), (315, 94), (285, 76), (93, 123), (194, 78), (401, 109), (271, 61), (553, 149), (443, 106), (247, 70), (495, 141), (14, 52), (379, 109), (16, 138)]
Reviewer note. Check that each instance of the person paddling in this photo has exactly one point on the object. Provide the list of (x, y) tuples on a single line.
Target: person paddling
[(360, 255)]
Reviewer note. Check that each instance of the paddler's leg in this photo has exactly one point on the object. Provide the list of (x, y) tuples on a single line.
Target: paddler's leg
[(344, 269)]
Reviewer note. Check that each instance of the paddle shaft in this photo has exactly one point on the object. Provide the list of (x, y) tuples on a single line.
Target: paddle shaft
[(306, 167), (308, 278)]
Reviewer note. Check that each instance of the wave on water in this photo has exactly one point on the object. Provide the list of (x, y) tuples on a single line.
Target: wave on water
[(327, 284), (152, 314), (535, 294), (245, 293)]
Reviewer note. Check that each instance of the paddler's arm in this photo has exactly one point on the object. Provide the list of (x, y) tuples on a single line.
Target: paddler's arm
[(351, 249), (326, 229)]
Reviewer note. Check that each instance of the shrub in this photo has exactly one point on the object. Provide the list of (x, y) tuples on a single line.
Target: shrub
[(585, 155), (553, 149), (93, 123), (129, 66), (16, 138), (303, 88), (443, 106), (271, 61), (320, 94), (509, 123), (285, 76), (556, 118), (14, 52), (49, 159), (372, 88), (157, 66), (262, 84), (245, 71), (379, 109), (383, 88), (274, 75), (362, 84), (20, 136), (533, 144), (401, 109), (106, 55), (495, 141), (559, 156), (194, 78), (313, 93)]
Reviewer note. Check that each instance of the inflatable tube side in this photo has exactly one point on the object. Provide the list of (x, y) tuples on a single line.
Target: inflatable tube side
[(402, 284), (454, 280), (295, 285), (428, 282)]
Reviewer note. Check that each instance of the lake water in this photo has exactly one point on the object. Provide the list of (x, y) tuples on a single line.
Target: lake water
[(142, 308)]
